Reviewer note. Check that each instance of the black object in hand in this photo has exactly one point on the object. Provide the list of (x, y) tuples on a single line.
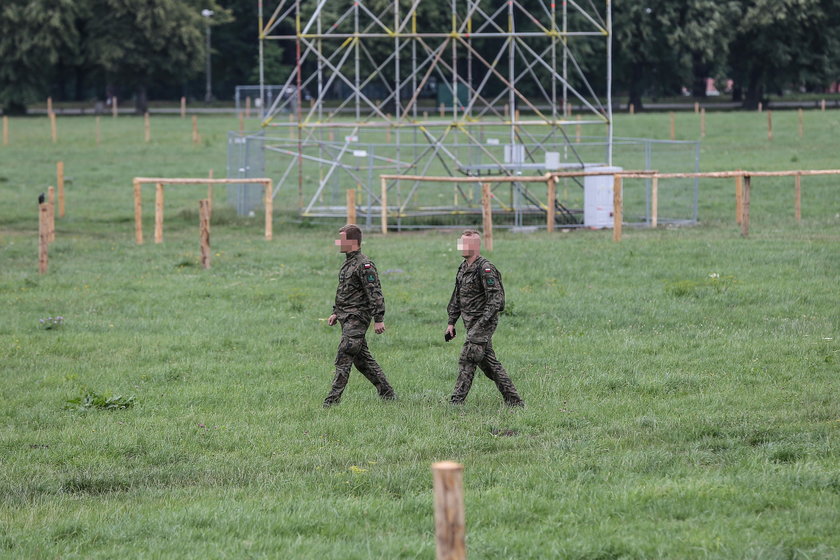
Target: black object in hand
[(41, 198), (447, 337)]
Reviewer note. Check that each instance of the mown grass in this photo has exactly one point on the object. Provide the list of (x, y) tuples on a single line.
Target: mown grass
[(682, 386)]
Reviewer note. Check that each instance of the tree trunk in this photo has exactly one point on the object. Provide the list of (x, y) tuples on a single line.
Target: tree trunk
[(141, 102), (635, 88), (699, 72), (755, 90)]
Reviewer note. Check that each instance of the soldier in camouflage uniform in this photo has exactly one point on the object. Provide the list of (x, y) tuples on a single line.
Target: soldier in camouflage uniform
[(478, 297), (357, 299)]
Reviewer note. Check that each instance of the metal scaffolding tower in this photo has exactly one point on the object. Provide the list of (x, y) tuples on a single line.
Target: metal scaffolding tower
[(507, 76)]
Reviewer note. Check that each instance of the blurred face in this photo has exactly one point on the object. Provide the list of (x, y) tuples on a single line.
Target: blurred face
[(469, 246), (346, 245)]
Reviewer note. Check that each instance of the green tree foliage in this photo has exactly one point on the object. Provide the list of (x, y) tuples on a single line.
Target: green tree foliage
[(34, 35)]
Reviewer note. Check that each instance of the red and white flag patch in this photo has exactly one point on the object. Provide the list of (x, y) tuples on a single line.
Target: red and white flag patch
[(367, 265), (488, 270)]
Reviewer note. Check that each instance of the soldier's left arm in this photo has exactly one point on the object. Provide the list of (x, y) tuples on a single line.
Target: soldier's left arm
[(373, 289), (492, 292)]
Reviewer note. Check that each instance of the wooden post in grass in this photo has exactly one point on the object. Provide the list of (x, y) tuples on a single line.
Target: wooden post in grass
[(383, 195), (673, 119), (351, 206), (49, 105), (43, 237), (760, 106), (59, 178), (183, 107), (654, 202), (98, 131), (195, 137), (248, 107), (703, 122), (769, 125), (159, 213), (799, 118), (5, 130), (632, 109), (745, 219), (204, 231), (487, 216), (696, 107), (739, 198), (822, 105), (450, 517), (797, 198), (269, 212), (241, 122), (53, 128), (442, 110), (147, 128), (114, 110), (138, 213), (617, 208), (552, 195), (507, 111), (51, 214)]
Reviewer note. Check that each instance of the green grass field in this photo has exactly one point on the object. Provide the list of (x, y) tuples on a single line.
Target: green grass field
[(682, 386)]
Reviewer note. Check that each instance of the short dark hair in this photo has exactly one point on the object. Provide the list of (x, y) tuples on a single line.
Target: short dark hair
[(470, 233), (352, 231)]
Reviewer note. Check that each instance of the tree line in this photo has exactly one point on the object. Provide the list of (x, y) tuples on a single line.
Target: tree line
[(85, 50)]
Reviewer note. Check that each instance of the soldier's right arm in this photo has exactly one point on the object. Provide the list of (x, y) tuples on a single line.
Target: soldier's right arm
[(454, 307)]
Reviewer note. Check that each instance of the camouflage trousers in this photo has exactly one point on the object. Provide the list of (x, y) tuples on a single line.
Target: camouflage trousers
[(478, 353), (353, 351)]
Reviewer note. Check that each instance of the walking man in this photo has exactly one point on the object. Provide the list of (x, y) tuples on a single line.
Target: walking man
[(357, 299), (478, 298)]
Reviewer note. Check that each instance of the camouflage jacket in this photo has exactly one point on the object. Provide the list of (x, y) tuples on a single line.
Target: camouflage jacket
[(477, 295), (359, 292)]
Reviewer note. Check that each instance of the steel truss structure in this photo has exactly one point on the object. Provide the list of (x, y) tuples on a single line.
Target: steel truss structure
[(510, 72)]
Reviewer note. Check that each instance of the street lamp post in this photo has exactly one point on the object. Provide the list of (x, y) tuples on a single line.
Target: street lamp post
[(208, 92)]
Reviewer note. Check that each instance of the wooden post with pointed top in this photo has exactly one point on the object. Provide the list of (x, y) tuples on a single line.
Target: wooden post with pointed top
[(159, 213), (745, 219), (51, 214), (43, 237), (450, 517), (269, 212), (351, 206), (138, 212), (59, 177), (797, 198), (487, 216), (617, 217), (552, 196), (204, 231)]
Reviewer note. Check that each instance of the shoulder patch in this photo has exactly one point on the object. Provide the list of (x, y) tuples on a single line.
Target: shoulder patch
[(367, 265), (488, 269)]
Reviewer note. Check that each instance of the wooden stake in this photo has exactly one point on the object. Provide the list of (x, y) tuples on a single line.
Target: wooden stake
[(51, 214), (383, 189), (442, 110), (507, 111), (769, 125), (797, 198), (654, 202), (425, 115), (822, 105), (673, 118), (487, 216), (617, 208), (703, 122), (696, 107), (745, 220), (241, 123), (269, 212), (49, 105), (351, 206), (43, 237), (388, 135), (183, 107), (114, 110), (799, 118), (248, 107), (195, 137), (159, 213), (739, 198), (59, 173), (5, 130), (517, 115), (147, 127), (552, 196), (632, 109), (760, 106), (138, 212), (204, 231), (98, 131), (450, 517), (53, 128)]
